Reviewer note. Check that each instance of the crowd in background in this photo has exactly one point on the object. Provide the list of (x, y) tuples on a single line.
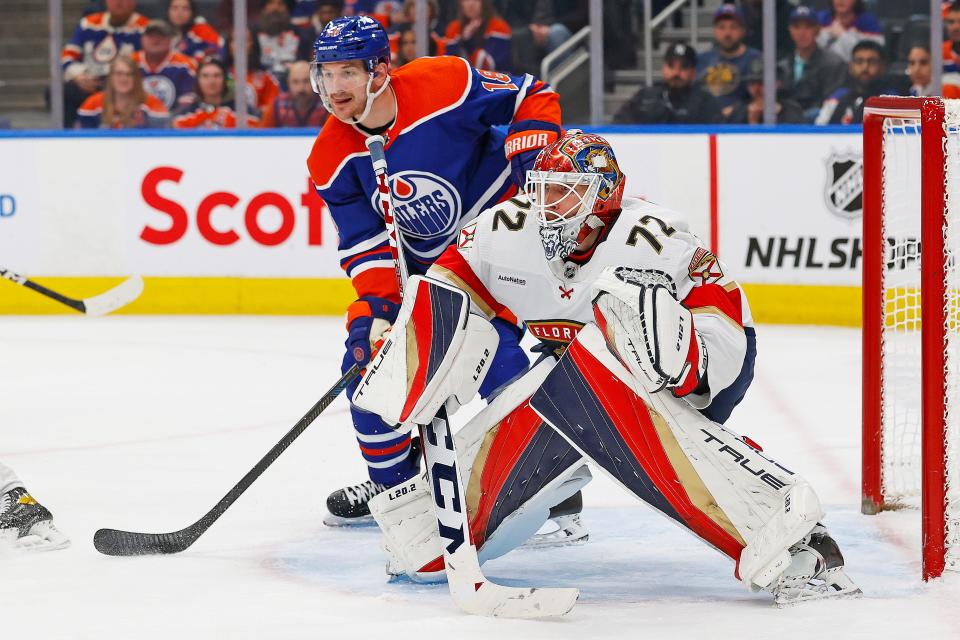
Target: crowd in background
[(176, 69)]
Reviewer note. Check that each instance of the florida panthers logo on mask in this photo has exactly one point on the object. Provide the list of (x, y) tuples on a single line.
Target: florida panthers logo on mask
[(425, 205)]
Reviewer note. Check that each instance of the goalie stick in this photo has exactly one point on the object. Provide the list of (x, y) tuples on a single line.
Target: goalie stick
[(113, 542), (472, 591), (107, 302)]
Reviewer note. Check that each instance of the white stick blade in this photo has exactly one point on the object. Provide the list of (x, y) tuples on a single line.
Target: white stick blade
[(477, 595), (120, 296)]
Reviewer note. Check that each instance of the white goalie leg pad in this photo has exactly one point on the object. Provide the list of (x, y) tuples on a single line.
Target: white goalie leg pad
[(769, 507), (410, 536), (646, 327), (436, 351), (405, 512)]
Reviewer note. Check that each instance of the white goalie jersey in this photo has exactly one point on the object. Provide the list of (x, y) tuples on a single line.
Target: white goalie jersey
[(498, 260)]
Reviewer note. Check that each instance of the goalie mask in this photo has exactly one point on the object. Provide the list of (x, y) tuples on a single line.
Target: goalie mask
[(575, 186), (343, 40)]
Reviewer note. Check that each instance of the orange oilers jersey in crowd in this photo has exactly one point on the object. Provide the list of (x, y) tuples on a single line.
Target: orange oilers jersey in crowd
[(262, 88), (498, 259), (200, 115), (492, 52), (150, 115), (200, 41), (95, 43), (446, 160)]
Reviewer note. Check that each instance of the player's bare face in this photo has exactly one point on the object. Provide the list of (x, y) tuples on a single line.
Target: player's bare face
[(560, 201), (346, 87)]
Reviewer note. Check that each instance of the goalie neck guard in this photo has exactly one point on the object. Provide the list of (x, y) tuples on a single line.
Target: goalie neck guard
[(346, 39), (575, 186)]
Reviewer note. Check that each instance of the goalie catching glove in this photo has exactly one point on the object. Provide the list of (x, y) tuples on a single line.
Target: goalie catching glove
[(650, 331)]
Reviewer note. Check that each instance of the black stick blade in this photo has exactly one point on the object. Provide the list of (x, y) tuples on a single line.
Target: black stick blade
[(112, 542)]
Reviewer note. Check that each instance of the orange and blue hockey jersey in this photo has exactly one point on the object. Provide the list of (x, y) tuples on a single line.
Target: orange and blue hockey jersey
[(95, 43), (151, 114), (490, 50), (447, 163), (200, 41), (172, 81)]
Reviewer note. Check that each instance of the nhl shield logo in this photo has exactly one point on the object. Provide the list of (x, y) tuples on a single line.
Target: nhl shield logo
[(844, 185)]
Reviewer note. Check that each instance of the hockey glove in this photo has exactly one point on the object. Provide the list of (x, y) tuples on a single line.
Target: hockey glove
[(652, 333), (524, 141), (367, 320)]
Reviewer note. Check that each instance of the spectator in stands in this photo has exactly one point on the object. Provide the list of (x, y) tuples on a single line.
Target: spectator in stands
[(210, 108), (845, 24), (951, 48), (324, 12), (98, 39), (298, 107), (224, 18), (193, 37), (810, 74), (403, 45), (721, 69), (279, 42), (403, 31), (753, 19), (123, 104), (480, 35), (674, 100), (866, 78), (750, 111), (302, 12), (261, 87), (920, 71), (168, 75), (536, 32)]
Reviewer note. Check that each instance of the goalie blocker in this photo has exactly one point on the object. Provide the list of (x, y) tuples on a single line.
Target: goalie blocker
[(528, 449)]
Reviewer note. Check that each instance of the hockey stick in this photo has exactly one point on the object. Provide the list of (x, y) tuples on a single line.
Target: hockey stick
[(121, 295), (470, 589), (112, 542)]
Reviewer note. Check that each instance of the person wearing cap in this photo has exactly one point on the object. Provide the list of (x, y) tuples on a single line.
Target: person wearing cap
[(866, 78), (674, 100), (845, 24), (810, 73), (751, 111), (721, 69), (168, 75)]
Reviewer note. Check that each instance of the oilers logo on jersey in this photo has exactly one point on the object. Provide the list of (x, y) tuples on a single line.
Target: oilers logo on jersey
[(161, 88), (426, 205)]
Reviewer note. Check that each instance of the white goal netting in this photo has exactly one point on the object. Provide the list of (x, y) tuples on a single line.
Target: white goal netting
[(902, 444)]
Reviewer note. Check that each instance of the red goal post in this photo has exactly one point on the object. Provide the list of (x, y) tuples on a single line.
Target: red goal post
[(910, 320)]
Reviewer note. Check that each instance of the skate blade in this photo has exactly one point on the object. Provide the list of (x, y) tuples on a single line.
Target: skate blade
[(42, 536), (337, 521), (814, 596), (573, 534)]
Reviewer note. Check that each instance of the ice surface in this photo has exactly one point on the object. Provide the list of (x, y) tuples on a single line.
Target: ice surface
[(144, 423)]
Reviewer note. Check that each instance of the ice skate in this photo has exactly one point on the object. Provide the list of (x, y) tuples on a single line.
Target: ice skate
[(564, 526), (815, 573), (26, 524), (348, 507)]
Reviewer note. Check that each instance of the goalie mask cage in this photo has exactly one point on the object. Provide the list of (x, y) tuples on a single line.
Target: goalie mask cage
[(911, 335)]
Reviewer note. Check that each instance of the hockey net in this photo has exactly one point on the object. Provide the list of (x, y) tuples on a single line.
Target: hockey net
[(911, 375)]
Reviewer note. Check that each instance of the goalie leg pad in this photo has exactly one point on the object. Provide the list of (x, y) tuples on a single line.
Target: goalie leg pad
[(436, 351), (692, 470), (516, 469)]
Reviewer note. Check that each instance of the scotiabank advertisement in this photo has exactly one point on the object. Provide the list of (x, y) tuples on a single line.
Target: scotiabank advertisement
[(165, 207), (788, 206)]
